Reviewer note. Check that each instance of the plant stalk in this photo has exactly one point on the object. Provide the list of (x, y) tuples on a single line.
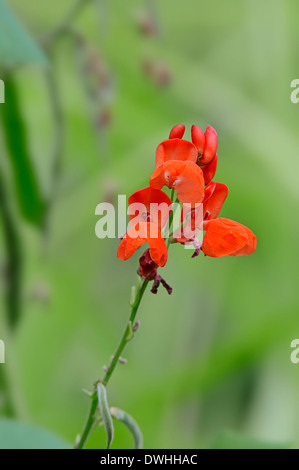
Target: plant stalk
[(126, 337)]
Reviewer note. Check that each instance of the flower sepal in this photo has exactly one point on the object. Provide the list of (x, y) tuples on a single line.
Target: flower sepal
[(148, 270)]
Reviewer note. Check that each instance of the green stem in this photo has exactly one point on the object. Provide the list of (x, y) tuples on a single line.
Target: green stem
[(127, 333), (126, 337), (89, 423)]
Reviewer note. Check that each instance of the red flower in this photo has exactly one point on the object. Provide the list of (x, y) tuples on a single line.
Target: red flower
[(175, 149), (176, 167), (153, 208), (157, 207), (189, 168), (210, 170), (226, 237), (184, 176), (215, 195), (206, 144), (177, 131), (138, 235), (149, 210), (192, 218)]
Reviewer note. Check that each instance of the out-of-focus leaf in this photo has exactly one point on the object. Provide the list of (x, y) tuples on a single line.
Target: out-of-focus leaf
[(105, 413), (14, 259), (16, 435), (30, 199), (232, 440), (16, 45), (131, 424)]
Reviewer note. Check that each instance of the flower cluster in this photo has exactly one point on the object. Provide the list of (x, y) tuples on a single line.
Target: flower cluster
[(188, 168)]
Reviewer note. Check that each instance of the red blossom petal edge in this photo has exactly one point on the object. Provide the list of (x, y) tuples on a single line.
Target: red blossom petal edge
[(215, 195), (175, 149), (157, 205), (210, 149), (177, 131), (138, 235), (198, 139), (184, 176), (210, 170), (226, 237)]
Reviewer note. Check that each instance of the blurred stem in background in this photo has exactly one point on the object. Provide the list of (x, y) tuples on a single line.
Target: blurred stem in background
[(33, 206), (152, 10), (58, 144), (97, 83), (58, 138), (65, 24), (31, 202)]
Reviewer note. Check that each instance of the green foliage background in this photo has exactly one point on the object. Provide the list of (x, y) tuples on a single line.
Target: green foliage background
[(216, 354)]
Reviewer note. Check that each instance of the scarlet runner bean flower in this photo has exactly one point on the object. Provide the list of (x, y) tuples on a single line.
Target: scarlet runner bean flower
[(189, 169), (153, 208)]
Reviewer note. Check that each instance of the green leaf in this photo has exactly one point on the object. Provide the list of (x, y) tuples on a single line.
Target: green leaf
[(131, 424), (14, 258), (17, 435), (29, 197), (105, 413), (16, 45), (232, 440)]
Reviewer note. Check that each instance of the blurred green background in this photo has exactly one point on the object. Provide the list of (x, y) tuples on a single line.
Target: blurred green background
[(215, 355)]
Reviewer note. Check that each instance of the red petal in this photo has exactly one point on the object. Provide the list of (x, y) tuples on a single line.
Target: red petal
[(198, 139), (210, 150), (210, 170), (185, 177), (140, 234), (177, 131), (175, 149), (157, 206), (250, 246), (226, 237), (215, 195)]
